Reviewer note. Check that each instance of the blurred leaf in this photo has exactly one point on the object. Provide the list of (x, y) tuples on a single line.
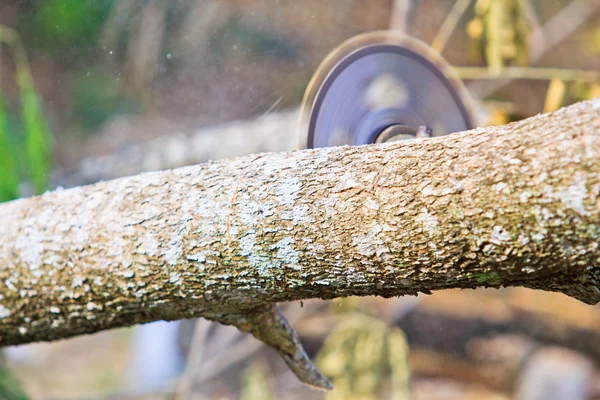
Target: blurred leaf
[(255, 382), (591, 41), (10, 388), (594, 91), (398, 358), (96, 98), (37, 139), (362, 356), (9, 168), (522, 29), (475, 28), (581, 90), (498, 117), (494, 23), (555, 95), (501, 30), (69, 23), (578, 91)]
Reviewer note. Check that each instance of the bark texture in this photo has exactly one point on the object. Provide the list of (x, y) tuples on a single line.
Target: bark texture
[(517, 205)]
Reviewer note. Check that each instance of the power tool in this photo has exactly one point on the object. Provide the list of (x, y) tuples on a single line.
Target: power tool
[(383, 86)]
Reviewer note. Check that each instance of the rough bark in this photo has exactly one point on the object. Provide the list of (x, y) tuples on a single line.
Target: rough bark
[(516, 205)]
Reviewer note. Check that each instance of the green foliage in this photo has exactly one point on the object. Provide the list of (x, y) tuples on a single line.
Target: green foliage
[(256, 383), (500, 31), (97, 97), (31, 145), (36, 137), (364, 358), (64, 24), (9, 171), (10, 389)]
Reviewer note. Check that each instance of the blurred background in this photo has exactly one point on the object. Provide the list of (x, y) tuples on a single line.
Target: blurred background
[(97, 89)]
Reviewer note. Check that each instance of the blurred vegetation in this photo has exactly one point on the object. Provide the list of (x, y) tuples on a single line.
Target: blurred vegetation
[(26, 146), (364, 357), (501, 31), (10, 388), (97, 97), (9, 167), (256, 384), (65, 27)]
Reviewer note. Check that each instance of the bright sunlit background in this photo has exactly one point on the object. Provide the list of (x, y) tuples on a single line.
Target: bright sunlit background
[(97, 89)]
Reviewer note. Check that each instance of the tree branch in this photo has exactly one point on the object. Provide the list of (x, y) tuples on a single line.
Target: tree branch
[(517, 205)]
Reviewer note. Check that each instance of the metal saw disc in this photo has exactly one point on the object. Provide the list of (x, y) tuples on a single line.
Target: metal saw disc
[(377, 80)]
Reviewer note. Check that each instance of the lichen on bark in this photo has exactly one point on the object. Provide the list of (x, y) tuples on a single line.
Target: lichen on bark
[(499, 206)]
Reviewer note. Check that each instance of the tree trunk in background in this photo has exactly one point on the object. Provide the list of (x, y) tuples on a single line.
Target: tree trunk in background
[(516, 205)]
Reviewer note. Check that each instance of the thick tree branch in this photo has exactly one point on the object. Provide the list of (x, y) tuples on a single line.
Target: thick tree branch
[(516, 205)]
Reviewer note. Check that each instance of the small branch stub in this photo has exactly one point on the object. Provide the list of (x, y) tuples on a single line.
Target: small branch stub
[(270, 327)]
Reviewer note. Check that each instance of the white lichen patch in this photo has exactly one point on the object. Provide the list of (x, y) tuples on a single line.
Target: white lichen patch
[(248, 212), (346, 183), (429, 222), (174, 249), (372, 204), (128, 274), (207, 207), (524, 196), (489, 214), (30, 247), (542, 177), (538, 236), (522, 239), (91, 306), (54, 310), (175, 278), (328, 204), (149, 245), (499, 235), (546, 214), (287, 191), (370, 244), (574, 196), (428, 190), (501, 187), (4, 312), (287, 254), (173, 252), (199, 257), (300, 215), (247, 243), (251, 251), (10, 285)]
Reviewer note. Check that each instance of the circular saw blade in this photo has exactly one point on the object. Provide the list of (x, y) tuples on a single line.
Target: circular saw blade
[(379, 79)]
